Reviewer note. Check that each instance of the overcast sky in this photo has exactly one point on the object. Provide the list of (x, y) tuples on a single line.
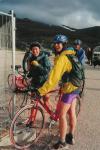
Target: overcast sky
[(73, 13)]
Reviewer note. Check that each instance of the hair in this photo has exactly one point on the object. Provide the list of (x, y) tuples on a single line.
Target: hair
[(65, 45), (35, 44)]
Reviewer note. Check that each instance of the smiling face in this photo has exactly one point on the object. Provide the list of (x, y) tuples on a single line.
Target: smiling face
[(35, 51), (58, 47)]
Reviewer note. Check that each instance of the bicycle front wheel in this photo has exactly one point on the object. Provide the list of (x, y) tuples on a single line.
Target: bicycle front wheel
[(26, 126)]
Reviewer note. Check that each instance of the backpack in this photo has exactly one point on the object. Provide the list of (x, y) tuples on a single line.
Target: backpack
[(76, 76)]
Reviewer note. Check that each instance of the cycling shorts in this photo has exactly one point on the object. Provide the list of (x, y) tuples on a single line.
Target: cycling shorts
[(68, 98)]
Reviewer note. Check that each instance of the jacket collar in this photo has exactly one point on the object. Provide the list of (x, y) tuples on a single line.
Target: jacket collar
[(68, 51)]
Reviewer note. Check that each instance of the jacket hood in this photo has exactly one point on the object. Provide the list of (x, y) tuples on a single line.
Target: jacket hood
[(69, 51)]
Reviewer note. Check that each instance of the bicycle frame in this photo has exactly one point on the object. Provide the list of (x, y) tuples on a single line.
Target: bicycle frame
[(49, 111)]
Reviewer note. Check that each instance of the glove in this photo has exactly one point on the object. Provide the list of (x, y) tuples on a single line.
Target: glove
[(35, 94), (35, 63)]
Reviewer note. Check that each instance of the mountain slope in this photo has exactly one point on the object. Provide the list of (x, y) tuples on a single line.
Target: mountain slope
[(28, 31)]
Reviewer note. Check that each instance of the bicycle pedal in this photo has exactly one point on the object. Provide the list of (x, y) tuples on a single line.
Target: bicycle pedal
[(53, 122)]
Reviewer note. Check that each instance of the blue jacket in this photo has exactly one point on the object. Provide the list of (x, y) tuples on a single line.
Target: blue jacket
[(81, 55)]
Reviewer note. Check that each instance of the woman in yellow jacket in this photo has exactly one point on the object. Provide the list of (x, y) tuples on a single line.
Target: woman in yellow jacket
[(68, 102)]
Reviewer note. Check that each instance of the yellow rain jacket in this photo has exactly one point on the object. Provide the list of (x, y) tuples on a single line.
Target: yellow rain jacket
[(61, 65)]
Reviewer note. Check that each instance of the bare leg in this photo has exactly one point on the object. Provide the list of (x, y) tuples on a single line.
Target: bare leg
[(72, 117), (62, 120), (46, 100)]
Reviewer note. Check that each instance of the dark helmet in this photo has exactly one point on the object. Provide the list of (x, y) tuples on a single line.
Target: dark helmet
[(35, 44), (60, 39), (78, 42)]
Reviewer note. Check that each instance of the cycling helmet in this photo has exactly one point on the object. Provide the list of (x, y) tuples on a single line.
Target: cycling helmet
[(77, 42), (35, 44), (60, 39)]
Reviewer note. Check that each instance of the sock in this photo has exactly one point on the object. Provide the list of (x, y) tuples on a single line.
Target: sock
[(62, 140)]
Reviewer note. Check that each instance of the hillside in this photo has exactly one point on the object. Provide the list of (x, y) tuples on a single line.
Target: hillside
[(28, 31)]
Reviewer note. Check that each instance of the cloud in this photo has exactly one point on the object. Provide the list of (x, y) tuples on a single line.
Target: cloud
[(74, 13)]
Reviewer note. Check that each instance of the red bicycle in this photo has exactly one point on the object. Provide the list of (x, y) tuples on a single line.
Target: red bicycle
[(29, 122)]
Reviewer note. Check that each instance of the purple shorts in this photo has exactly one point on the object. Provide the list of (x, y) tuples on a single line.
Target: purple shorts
[(68, 98)]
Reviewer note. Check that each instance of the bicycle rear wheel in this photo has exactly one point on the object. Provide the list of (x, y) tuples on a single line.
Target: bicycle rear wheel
[(78, 106), (12, 82), (82, 89), (25, 131)]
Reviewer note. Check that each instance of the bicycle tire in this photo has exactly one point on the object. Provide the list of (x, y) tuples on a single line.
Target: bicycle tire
[(11, 82), (14, 131), (82, 89), (78, 106)]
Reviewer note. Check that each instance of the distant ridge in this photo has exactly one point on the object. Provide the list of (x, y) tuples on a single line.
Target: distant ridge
[(29, 30)]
